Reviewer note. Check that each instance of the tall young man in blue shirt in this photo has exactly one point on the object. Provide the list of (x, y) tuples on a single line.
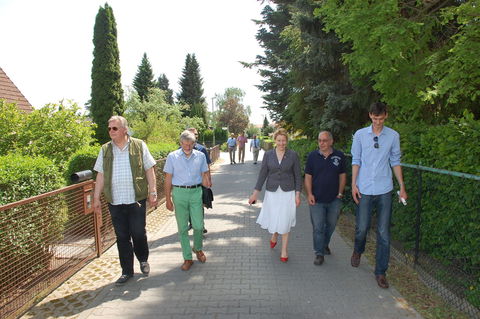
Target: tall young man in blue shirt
[(375, 152), (325, 180)]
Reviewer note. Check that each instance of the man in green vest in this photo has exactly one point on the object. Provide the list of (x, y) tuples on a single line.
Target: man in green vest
[(126, 175)]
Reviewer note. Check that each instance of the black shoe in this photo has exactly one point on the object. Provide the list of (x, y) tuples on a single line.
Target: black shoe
[(145, 268), (319, 260), (205, 231), (327, 251), (123, 279)]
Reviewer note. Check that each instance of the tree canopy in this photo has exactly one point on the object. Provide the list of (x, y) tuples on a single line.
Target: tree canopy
[(232, 113), (164, 85), (325, 62)]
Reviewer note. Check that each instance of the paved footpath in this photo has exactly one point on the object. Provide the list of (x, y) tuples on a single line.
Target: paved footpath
[(243, 277)]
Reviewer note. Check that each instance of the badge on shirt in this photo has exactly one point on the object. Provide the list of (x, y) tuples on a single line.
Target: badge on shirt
[(336, 160)]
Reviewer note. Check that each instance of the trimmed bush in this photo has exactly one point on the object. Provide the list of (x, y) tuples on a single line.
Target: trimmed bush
[(81, 160), (23, 176)]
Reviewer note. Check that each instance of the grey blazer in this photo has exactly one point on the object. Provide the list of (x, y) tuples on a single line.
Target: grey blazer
[(286, 174)]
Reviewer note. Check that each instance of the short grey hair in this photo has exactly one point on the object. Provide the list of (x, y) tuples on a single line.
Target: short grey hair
[(187, 136), (121, 119), (330, 136)]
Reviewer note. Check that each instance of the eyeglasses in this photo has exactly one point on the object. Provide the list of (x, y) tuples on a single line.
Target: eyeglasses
[(113, 128), (375, 139)]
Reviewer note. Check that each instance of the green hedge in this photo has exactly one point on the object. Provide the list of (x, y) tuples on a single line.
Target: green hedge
[(23, 176), (82, 160), (161, 150)]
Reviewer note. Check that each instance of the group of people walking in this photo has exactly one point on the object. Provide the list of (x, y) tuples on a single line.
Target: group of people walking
[(375, 153), (239, 142), (125, 175)]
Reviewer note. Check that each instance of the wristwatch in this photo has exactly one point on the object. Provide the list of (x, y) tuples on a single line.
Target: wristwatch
[(340, 195)]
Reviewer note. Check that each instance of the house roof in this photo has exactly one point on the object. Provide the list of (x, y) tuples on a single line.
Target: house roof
[(10, 93)]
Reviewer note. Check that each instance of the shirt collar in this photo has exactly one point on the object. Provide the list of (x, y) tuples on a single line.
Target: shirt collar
[(370, 130), (125, 147)]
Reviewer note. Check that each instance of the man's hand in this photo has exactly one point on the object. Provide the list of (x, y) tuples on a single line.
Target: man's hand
[(97, 205), (356, 194), (169, 204), (403, 193), (152, 199), (311, 199)]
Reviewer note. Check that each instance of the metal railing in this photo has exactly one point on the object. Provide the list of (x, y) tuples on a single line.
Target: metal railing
[(45, 239)]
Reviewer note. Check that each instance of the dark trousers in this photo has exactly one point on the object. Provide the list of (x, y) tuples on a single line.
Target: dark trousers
[(129, 224)]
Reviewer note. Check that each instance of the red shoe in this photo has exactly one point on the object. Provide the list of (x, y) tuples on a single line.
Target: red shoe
[(283, 259), (272, 244)]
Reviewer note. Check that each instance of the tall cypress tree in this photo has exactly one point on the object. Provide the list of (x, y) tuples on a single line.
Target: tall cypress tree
[(164, 85), (107, 92), (143, 80), (191, 90)]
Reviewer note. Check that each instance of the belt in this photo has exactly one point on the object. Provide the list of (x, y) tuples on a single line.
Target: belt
[(193, 186)]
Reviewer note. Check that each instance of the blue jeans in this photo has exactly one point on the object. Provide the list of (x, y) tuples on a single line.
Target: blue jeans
[(129, 224), (324, 218), (363, 218)]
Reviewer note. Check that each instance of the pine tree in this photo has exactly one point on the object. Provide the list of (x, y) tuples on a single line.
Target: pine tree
[(164, 85), (191, 90), (107, 92), (143, 81)]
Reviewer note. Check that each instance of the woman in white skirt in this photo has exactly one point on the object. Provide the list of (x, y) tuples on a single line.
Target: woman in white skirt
[(281, 170)]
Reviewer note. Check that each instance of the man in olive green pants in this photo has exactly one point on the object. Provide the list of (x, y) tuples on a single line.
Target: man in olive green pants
[(185, 171)]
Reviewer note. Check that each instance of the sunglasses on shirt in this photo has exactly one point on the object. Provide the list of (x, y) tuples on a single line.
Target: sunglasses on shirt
[(375, 139)]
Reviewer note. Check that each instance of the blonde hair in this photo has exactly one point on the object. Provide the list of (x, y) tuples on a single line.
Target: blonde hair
[(280, 131)]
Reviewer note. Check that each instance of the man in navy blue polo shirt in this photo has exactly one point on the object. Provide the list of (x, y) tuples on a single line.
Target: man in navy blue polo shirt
[(325, 180)]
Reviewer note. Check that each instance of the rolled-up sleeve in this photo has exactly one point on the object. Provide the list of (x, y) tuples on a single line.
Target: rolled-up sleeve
[(357, 150), (168, 168), (395, 152)]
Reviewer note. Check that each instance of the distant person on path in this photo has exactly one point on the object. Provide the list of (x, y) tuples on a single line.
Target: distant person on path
[(241, 140), (232, 145), (325, 180), (126, 175), (281, 170), (201, 148), (375, 152), (255, 148), (185, 172)]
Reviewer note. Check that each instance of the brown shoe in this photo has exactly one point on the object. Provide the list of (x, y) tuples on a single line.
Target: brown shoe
[(200, 255), (186, 265), (382, 281), (355, 260)]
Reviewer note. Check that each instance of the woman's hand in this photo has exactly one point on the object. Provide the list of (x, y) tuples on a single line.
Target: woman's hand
[(297, 199), (253, 198)]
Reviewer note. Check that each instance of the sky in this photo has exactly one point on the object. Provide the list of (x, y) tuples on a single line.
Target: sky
[(46, 46)]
